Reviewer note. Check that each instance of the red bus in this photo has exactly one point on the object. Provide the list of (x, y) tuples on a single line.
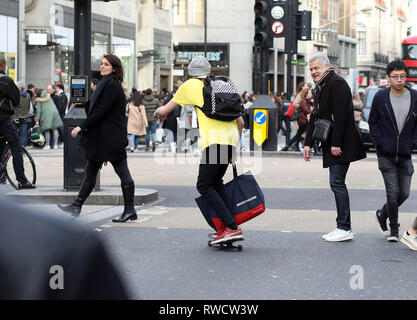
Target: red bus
[(409, 48)]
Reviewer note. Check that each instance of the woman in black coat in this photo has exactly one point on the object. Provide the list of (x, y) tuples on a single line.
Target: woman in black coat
[(104, 138)]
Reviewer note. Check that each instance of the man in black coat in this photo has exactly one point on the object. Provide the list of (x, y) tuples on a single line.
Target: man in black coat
[(393, 127), (9, 99), (46, 257), (333, 102)]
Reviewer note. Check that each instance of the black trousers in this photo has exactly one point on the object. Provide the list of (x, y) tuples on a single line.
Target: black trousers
[(287, 121), (213, 165), (296, 139), (91, 170), (9, 132)]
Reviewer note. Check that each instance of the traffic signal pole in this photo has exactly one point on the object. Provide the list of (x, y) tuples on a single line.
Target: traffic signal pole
[(264, 52), (82, 37)]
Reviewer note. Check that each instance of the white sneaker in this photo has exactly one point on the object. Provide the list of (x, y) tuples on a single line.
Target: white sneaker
[(48, 147), (55, 147), (324, 236), (410, 240), (340, 235)]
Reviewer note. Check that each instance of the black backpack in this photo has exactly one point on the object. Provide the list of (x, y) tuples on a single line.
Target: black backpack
[(221, 99)]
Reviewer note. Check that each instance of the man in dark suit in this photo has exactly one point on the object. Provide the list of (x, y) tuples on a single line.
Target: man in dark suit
[(45, 257), (333, 102)]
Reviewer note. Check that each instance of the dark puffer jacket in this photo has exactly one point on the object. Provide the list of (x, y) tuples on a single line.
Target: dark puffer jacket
[(384, 130), (9, 91)]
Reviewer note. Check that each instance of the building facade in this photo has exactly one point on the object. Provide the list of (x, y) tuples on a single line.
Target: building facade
[(381, 27), (9, 31), (49, 36), (154, 50)]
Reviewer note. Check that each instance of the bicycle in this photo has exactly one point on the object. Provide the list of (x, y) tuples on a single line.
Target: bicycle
[(6, 164)]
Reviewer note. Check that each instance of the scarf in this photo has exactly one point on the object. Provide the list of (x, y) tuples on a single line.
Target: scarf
[(319, 86)]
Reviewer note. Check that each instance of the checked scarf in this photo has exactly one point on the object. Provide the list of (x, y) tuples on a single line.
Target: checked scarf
[(319, 85)]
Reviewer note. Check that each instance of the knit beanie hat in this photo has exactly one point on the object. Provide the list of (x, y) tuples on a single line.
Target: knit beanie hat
[(199, 66)]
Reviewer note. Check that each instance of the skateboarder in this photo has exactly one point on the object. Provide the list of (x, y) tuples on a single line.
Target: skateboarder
[(217, 142)]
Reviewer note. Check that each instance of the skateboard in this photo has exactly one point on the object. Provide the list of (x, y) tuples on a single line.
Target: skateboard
[(227, 245)]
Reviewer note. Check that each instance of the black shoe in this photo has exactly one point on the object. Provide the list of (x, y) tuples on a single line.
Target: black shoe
[(382, 221), (74, 208), (394, 230), (25, 185), (393, 237), (129, 213), (153, 146), (295, 148), (285, 148)]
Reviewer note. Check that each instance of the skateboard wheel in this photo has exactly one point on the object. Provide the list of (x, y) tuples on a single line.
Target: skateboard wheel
[(239, 247), (209, 243)]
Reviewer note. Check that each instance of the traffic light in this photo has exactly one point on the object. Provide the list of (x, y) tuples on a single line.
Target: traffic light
[(262, 37), (304, 25)]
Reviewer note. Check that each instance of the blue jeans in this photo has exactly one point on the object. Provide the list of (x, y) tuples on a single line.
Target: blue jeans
[(150, 132), (337, 184), (133, 141), (397, 178), (23, 132)]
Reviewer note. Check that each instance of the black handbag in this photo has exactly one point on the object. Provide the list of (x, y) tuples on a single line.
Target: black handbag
[(321, 130)]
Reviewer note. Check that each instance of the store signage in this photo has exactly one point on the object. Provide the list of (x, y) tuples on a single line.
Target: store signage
[(216, 54), (412, 72), (38, 39)]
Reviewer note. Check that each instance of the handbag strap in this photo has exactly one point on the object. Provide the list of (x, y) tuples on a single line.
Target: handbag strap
[(234, 171)]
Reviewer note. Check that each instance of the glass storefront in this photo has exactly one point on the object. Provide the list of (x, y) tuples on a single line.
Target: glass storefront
[(100, 46), (125, 49), (64, 55), (8, 44)]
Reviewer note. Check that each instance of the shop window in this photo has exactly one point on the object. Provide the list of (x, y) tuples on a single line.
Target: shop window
[(361, 32), (8, 44)]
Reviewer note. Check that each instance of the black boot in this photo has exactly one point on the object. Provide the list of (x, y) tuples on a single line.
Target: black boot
[(74, 208), (129, 213)]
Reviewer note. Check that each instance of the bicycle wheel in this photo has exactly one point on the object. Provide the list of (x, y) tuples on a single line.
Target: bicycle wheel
[(28, 166)]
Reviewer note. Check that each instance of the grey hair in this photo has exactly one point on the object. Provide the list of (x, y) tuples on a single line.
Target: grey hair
[(20, 85), (322, 57)]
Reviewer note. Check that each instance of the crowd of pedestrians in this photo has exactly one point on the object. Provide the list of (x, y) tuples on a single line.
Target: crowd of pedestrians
[(143, 113), (112, 110)]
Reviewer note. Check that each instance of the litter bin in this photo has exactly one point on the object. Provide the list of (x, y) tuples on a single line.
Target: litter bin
[(263, 122), (74, 160)]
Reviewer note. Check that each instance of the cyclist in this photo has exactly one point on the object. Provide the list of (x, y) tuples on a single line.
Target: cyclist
[(9, 98)]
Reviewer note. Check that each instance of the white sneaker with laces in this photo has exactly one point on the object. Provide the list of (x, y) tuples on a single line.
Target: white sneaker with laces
[(340, 235), (324, 236), (410, 240)]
